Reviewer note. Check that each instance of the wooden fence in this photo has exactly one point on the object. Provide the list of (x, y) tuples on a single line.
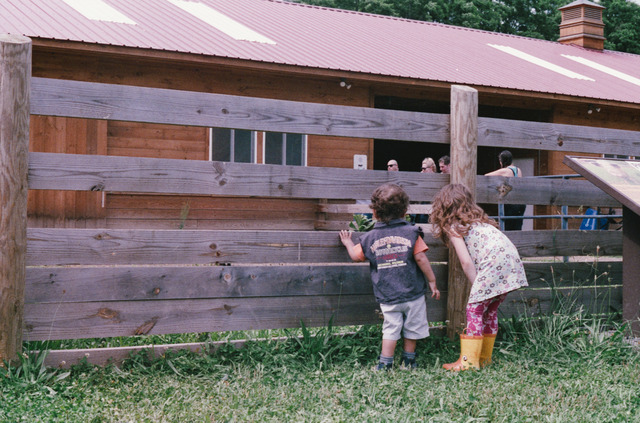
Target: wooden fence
[(84, 283)]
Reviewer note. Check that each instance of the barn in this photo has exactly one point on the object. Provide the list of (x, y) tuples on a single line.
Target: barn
[(288, 51)]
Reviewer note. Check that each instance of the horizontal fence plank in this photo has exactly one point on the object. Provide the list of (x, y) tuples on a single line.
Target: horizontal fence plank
[(64, 304), (541, 191), (128, 318), (125, 283), (504, 133), (55, 97), (51, 246), (48, 246), (137, 174), (577, 274), (543, 302), (567, 243), (364, 208), (78, 284)]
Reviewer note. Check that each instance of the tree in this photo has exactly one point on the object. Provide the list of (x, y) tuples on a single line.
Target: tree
[(622, 25), (527, 18)]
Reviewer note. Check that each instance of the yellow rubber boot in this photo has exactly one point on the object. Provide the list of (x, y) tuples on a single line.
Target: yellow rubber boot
[(470, 347), (487, 349)]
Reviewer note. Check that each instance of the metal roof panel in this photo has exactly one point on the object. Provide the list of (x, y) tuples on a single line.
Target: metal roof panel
[(315, 37)]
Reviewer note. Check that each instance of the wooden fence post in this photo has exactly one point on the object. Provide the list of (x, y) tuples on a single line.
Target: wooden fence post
[(464, 167), (15, 81)]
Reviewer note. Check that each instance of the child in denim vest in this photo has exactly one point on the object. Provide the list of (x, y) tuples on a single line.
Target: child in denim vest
[(396, 253)]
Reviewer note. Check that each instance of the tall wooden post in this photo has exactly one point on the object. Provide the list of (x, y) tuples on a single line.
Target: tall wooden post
[(15, 81), (464, 167)]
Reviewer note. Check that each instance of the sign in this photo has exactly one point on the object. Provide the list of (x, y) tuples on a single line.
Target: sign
[(617, 177)]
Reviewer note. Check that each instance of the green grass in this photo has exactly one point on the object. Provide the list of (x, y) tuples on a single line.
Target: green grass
[(559, 368)]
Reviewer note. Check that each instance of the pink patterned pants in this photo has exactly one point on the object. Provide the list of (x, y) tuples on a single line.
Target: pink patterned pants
[(482, 317)]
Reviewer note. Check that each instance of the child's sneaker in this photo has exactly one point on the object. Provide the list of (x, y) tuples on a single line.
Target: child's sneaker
[(408, 363), (381, 366)]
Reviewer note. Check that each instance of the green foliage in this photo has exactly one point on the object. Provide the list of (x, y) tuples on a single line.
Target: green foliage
[(32, 373), (527, 18), (622, 25), (361, 223), (562, 367)]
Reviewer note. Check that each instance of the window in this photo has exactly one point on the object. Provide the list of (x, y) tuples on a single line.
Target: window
[(287, 149), (232, 145), (240, 146), (619, 156)]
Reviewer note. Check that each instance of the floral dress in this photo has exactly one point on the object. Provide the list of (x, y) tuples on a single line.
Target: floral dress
[(498, 265)]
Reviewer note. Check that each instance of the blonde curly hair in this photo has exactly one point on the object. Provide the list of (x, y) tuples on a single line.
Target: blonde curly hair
[(454, 211)]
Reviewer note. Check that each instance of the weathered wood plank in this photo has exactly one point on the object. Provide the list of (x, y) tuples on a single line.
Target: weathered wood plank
[(168, 247), (543, 302), (127, 318), (136, 174), (57, 97), (364, 208), (15, 77), (81, 284), (567, 243), (598, 273), (464, 168), (85, 284), (544, 191), (556, 137)]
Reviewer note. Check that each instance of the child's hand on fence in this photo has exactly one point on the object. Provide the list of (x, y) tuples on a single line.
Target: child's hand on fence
[(345, 238)]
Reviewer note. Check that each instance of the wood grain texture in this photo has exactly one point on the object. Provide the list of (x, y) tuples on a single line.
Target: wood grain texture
[(56, 97), (105, 318), (131, 174), (148, 283), (154, 105), (143, 247), (464, 168), (127, 318), (15, 77)]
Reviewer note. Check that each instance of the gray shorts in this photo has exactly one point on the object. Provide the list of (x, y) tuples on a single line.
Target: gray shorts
[(408, 319)]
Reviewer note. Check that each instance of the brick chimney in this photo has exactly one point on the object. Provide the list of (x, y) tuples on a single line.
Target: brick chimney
[(582, 24)]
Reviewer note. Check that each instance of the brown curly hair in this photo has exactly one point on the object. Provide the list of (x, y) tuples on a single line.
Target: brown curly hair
[(454, 211), (389, 201)]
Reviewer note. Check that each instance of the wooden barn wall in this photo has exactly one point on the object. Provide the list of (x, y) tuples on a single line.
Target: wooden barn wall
[(164, 141), (73, 209), (114, 210)]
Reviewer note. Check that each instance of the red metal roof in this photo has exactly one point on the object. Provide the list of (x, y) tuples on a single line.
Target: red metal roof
[(315, 37)]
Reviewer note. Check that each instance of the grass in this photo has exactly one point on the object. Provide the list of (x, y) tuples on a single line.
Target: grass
[(559, 368)]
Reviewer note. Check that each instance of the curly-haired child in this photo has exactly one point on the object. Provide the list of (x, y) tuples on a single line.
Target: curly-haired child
[(396, 253), (489, 260)]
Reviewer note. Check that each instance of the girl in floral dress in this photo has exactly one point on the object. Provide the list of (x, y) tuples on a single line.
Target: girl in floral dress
[(489, 260)]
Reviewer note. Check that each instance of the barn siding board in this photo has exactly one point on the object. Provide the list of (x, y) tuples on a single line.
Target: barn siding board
[(66, 135)]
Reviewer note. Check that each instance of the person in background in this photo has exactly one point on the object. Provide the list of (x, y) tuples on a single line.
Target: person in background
[(398, 265), (489, 260), (392, 165), (509, 170), (445, 164), (428, 165)]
